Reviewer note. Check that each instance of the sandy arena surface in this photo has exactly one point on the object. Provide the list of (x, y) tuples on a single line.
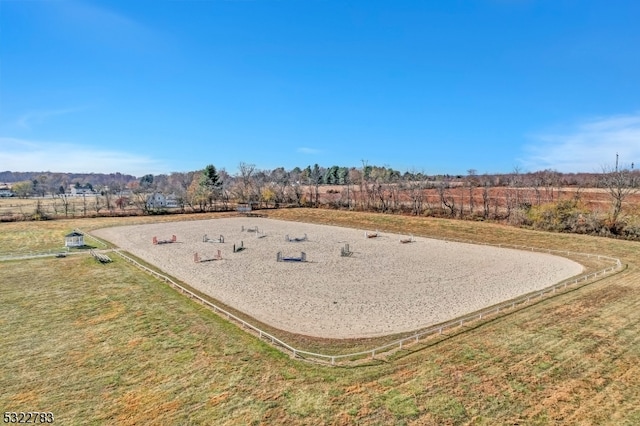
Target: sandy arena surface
[(385, 287)]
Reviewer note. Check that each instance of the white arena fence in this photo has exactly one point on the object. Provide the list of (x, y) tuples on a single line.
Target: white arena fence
[(389, 348), (392, 347)]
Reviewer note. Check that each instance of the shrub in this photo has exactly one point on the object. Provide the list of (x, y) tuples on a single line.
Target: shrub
[(563, 216), (631, 232)]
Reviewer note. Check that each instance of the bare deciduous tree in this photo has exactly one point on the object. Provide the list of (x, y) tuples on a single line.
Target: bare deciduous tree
[(472, 182), (416, 184), (619, 184), (446, 199), (246, 181), (139, 196), (97, 205), (485, 199)]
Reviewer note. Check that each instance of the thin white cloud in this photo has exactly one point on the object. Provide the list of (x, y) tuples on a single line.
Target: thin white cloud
[(588, 147), (32, 118), (311, 151), (93, 14), (102, 25), (21, 155), (96, 16)]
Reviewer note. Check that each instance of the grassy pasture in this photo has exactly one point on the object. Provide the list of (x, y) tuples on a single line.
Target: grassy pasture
[(107, 344), (22, 208)]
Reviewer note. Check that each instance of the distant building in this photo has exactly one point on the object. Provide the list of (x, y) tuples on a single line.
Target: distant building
[(172, 201), (5, 191), (80, 190), (158, 200)]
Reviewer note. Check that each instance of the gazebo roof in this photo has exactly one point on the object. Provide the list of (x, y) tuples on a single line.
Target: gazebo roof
[(74, 234)]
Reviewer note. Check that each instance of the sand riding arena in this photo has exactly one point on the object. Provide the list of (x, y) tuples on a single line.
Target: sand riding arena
[(332, 282)]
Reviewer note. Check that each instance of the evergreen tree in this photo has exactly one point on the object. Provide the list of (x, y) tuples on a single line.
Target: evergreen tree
[(146, 181), (210, 177), (211, 184)]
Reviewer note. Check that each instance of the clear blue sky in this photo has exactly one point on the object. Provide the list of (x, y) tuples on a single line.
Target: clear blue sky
[(435, 86)]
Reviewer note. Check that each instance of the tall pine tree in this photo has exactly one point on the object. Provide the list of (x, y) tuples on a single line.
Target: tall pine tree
[(211, 184)]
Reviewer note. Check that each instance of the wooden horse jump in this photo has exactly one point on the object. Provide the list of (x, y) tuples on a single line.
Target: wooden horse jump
[(345, 252), (206, 239), (198, 259), (295, 240), (372, 234), (172, 240), (238, 249), (252, 229), (302, 258), (408, 240)]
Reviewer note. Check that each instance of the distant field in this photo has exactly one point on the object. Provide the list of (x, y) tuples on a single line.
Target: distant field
[(107, 344), (22, 208), (596, 199)]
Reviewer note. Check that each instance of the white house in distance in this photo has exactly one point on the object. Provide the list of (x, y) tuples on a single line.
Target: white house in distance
[(158, 200), (74, 239), (5, 191), (78, 191)]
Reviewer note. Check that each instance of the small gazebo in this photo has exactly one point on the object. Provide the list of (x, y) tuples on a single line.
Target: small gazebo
[(74, 239)]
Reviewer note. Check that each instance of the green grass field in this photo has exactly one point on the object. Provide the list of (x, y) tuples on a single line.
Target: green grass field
[(108, 344)]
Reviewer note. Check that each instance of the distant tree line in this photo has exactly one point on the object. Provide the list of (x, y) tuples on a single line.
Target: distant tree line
[(544, 199)]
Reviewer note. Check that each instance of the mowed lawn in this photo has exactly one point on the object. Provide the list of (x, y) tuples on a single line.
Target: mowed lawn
[(108, 344)]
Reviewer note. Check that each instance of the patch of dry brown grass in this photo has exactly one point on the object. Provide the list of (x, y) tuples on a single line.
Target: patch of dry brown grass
[(107, 344)]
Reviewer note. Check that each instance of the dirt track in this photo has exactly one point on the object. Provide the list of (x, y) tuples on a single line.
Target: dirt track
[(385, 287)]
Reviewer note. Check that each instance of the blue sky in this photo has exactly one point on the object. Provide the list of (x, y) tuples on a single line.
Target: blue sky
[(435, 86)]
